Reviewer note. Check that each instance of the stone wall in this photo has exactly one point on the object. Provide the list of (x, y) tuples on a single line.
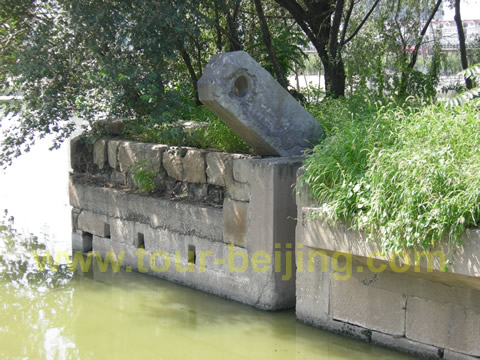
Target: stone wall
[(413, 307), (209, 215)]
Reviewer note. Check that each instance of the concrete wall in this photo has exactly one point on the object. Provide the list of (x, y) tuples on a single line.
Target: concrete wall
[(227, 219), (354, 290)]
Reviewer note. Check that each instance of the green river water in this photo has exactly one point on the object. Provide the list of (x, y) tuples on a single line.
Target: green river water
[(60, 315)]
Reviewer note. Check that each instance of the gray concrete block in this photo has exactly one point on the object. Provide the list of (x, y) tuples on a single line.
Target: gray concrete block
[(444, 325), (93, 223), (194, 166), (122, 231), (235, 222), (81, 242), (100, 155), (354, 302), (251, 102), (112, 152), (101, 246), (453, 355), (312, 292)]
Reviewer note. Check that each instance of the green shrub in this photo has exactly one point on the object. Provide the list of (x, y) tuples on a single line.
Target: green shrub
[(143, 177), (406, 174), (206, 132)]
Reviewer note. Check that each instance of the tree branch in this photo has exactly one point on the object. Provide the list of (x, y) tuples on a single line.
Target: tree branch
[(362, 23), (337, 19), (346, 22), (413, 58)]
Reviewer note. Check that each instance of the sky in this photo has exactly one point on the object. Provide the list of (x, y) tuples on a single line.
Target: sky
[(469, 10)]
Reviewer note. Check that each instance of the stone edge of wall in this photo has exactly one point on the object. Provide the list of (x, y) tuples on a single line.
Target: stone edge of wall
[(429, 314)]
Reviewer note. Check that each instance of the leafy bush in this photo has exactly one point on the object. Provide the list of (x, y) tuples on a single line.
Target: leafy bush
[(143, 177), (406, 174)]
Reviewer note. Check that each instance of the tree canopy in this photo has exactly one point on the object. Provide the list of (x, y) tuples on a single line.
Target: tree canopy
[(141, 59)]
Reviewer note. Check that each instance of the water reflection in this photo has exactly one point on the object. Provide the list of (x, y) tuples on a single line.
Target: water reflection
[(35, 305), (61, 315)]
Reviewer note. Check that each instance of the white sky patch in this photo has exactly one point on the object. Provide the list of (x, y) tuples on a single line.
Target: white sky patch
[(469, 10)]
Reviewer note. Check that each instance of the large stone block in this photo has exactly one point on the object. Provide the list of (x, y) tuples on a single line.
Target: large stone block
[(355, 302), (235, 222), (194, 166), (312, 292), (444, 325), (96, 224), (100, 153), (153, 157), (252, 103), (129, 154), (173, 162), (241, 170), (81, 242), (112, 152), (216, 167), (237, 190)]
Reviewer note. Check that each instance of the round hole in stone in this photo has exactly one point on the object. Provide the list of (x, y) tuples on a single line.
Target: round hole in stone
[(241, 86)]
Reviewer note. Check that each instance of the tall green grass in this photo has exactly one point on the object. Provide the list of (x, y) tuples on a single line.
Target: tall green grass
[(406, 174)]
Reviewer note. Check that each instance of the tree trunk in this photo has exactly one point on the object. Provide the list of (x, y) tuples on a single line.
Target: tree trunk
[(232, 26), (267, 39), (461, 40), (193, 75)]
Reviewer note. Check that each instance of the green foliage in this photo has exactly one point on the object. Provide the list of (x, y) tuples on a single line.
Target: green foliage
[(471, 95), (200, 129), (143, 177), (406, 174)]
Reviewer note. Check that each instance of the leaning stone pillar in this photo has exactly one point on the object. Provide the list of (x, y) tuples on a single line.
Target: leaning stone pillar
[(254, 105)]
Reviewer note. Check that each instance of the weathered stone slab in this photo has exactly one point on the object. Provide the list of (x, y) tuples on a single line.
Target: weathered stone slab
[(252, 103), (153, 156), (100, 153), (237, 190), (235, 219), (216, 167), (173, 163), (241, 170), (194, 166), (354, 302), (96, 224), (130, 154), (444, 325), (81, 242), (80, 155), (112, 150), (194, 219)]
